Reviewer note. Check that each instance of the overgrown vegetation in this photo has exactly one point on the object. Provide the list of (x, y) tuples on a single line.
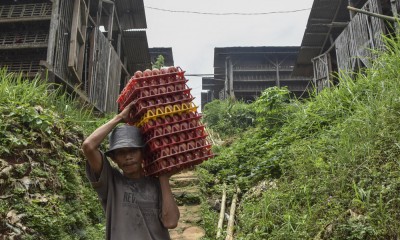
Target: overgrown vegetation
[(159, 62), (44, 193), (326, 168)]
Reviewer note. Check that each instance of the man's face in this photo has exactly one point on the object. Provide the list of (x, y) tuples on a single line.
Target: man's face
[(129, 160)]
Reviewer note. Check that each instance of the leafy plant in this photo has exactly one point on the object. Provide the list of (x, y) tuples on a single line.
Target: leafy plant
[(324, 168)]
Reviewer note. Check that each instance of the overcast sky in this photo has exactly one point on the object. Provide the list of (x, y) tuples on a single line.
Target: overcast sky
[(193, 37)]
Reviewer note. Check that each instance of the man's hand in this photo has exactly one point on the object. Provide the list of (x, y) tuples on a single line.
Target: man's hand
[(170, 173), (125, 115)]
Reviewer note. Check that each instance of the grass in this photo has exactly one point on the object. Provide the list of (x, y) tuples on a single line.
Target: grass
[(338, 159), (43, 188)]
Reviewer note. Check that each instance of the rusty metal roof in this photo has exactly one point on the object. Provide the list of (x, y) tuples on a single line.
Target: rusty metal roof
[(136, 49)]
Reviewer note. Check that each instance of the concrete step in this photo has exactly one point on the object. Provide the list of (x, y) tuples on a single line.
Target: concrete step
[(187, 195), (185, 188), (184, 179)]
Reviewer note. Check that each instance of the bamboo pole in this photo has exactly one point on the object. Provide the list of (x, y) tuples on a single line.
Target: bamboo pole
[(222, 212), (389, 18), (229, 231)]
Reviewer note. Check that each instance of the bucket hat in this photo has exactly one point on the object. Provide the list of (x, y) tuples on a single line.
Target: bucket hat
[(125, 136)]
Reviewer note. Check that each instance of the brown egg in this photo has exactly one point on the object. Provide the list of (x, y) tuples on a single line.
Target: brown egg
[(165, 152), (172, 69), (166, 140), (177, 117), (184, 125), (138, 74), (189, 156), (193, 123), (180, 159), (164, 163), (147, 73), (155, 71), (160, 121), (170, 88), (162, 89), (145, 93), (158, 132), (191, 145), (174, 149), (175, 138), (168, 99), (151, 122), (163, 70), (182, 147), (168, 119), (176, 127), (157, 142), (153, 82), (167, 129)]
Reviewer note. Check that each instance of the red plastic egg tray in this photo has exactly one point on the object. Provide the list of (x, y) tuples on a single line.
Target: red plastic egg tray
[(164, 111)]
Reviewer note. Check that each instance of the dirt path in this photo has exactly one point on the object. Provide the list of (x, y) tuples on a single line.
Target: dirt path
[(186, 191)]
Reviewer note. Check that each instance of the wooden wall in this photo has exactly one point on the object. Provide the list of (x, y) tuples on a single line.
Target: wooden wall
[(62, 28), (105, 74)]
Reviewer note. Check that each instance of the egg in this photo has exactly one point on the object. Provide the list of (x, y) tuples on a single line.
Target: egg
[(147, 73), (191, 145), (162, 89), (138, 74), (182, 147), (167, 129), (184, 125), (172, 69), (176, 127), (155, 71)]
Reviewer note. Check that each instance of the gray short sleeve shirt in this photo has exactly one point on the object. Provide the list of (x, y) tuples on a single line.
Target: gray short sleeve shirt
[(132, 206)]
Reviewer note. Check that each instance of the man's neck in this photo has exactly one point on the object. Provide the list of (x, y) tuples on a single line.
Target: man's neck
[(135, 175)]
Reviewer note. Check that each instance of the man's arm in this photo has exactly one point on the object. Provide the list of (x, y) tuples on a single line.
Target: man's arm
[(90, 146), (170, 212)]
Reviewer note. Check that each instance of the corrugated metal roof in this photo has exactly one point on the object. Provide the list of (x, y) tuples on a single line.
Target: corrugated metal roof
[(327, 20), (165, 52), (221, 53), (137, 50), (131, 14)]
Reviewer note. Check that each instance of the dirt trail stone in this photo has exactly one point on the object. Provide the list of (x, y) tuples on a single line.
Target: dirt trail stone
[(187, 194)]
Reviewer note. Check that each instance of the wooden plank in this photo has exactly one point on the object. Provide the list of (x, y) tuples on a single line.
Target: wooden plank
[(111, 22), (78, 39), (73, 38), (52, 34)]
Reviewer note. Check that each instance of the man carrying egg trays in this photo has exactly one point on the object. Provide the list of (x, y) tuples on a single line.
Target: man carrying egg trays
[(168, 119)]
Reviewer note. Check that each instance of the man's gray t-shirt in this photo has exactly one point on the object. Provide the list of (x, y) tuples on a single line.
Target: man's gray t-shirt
[(132, 206)]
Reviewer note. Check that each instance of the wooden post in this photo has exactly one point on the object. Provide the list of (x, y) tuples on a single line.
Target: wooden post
[(229, 231), (395, 14), (278, 82), (52, 34), (222, 212), (388, 18), (110, 23)]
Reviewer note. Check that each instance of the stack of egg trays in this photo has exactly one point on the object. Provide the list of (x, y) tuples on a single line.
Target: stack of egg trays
[(175, 138)]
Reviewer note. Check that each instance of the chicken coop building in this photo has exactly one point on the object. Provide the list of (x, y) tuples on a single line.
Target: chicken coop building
[(163, 51), (91, 47), (244, 72), (340, 36)]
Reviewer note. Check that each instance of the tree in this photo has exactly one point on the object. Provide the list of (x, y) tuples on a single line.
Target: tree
[(159, 62)]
